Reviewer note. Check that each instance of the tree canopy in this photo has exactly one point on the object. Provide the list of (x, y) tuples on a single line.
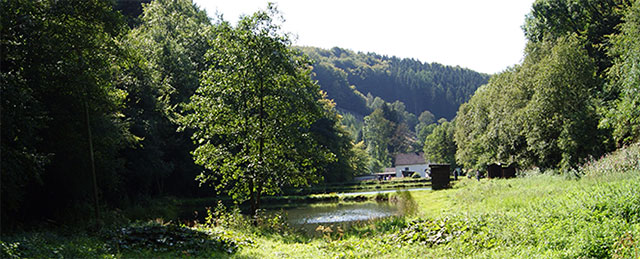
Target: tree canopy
[(573, 97), (254, 112), (348, 77)]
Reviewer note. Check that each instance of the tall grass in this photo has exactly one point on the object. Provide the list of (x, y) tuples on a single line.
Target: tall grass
[(540, 215)]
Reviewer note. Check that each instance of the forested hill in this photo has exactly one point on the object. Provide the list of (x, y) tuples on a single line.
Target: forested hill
[(349, 78)]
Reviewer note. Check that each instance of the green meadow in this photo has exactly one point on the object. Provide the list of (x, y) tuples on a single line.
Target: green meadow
[(590, 212)]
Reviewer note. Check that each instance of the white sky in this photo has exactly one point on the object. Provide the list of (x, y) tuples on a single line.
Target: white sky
[(481, 35)]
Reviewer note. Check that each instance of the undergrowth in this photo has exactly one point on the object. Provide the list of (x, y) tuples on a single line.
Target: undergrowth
[(591, 212)]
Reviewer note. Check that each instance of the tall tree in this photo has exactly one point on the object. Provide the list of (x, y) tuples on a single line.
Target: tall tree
[(592, 21), (541, 113), (329, 133), (254, 110), (59, 56), (623, 115), (378, 131), (439, 146), (166, 57)]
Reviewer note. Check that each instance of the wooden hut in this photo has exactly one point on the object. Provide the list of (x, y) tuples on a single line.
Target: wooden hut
[(494, 171), (509, 171), (439, 176), (500, 171)]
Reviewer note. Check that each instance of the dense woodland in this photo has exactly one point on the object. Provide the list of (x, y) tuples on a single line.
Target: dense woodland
[(106, 104), (387, 103), (575, 95), (353, 80)]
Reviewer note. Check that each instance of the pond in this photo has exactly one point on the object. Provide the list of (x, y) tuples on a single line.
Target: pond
[(307, 218), (384, 191), (340, 212)]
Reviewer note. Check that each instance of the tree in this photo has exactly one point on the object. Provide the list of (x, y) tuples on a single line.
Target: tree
[(561, 123), (378, 131), (439, 146), (253, 112), (541, 113), (592, 21), (360, 160), (22, 112), (165, 57), (59, 58), (623, 115), (329, 133)]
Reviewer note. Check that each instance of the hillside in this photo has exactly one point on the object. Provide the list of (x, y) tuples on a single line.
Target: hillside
[(351, 78)]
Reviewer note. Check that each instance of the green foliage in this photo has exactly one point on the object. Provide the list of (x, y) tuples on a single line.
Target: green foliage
[(348, 76), (623, 115), (360, 160), (254, 111), (58, 70), (626, 159), (53, 245), (439, 146), (592, 21), (378, 132), (386, 133), (329, 132), (162, 238), (353, 125), (429, 233), (166, 59), (527, 114)]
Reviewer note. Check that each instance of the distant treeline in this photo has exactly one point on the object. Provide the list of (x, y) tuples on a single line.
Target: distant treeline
[(350, 78)]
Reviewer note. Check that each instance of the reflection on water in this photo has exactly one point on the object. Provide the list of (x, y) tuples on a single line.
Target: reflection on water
[(384, 191), (335, 213)]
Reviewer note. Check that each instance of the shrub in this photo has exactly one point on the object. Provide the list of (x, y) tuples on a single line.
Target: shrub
[(160, 237)]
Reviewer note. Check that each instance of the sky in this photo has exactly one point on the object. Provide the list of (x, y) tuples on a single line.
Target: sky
[(485, 36)]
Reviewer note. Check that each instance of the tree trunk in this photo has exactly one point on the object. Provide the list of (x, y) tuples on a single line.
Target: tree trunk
[(253, 202), (92, 161)]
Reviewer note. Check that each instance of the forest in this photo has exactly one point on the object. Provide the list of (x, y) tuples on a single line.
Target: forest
[(389, 104), (99, 102), (109, 107), (574, 97), (353, 80)]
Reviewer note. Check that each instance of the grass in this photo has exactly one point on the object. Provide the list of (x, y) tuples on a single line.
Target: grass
[(540, 215), (370, 185)]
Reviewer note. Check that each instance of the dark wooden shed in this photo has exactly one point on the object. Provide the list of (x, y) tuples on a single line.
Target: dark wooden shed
[(440, 176), (499, 171), (494, 171), (509, 171)]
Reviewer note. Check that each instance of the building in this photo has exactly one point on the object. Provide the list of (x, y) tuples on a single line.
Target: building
[(440, 176), (388, 173), (409, 163)]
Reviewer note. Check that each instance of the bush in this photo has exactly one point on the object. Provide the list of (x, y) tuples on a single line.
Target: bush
[(165, 237), (429, 232)]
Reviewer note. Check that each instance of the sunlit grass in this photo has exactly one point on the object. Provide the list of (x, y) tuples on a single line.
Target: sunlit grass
[(540, 215)]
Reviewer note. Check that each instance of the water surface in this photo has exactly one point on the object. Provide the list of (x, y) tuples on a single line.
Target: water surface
[(340, 212), (384, 191)]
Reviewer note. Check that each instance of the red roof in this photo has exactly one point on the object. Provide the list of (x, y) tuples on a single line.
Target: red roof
[(416, 158)]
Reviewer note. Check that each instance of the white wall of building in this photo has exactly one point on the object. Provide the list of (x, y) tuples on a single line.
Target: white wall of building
[(420, 168)]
